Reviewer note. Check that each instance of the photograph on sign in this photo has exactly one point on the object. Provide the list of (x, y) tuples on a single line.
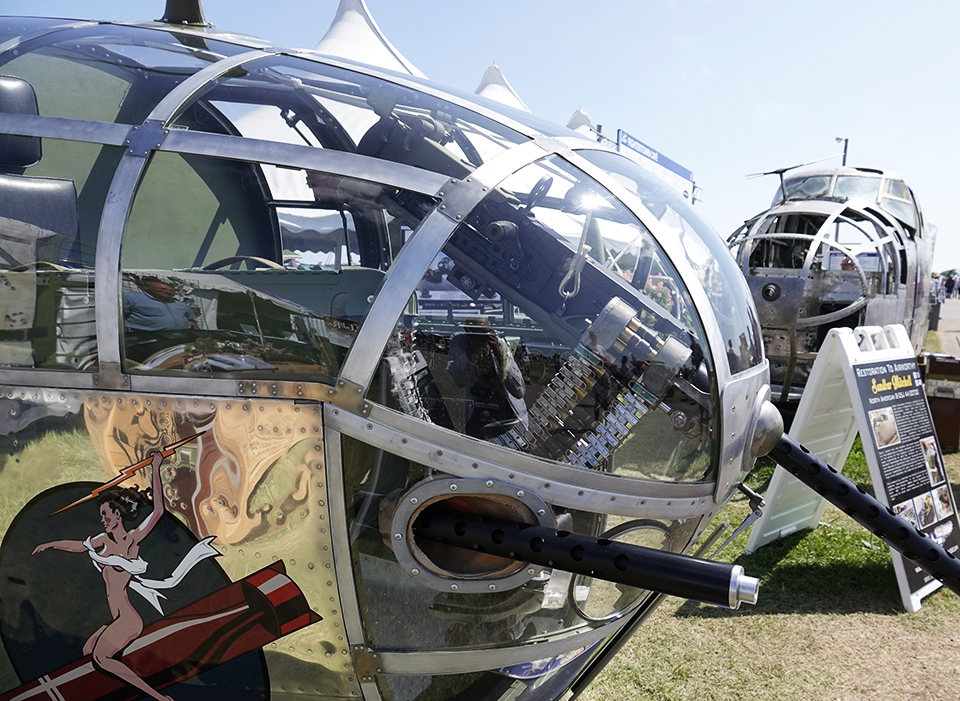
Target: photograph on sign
[(932, 457), (907, 511), (942, 532), (884, 427), (926, 510), (942, 500)]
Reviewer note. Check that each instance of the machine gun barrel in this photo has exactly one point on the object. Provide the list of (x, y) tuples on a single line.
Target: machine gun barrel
[(646, 568), (870, 513)]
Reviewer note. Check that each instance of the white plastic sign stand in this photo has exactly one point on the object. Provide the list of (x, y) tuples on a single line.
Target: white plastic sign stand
[(866, 380)]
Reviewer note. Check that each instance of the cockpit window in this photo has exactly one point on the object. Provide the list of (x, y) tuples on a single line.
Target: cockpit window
[(553, 323), (898, 200), (782, 241), (227, 272), (809, 188), (850, 186), (705, 250), (829, 246), (49, 219), (108, 73), (871, 252), (895, 196), (897, 188), (294, 100)]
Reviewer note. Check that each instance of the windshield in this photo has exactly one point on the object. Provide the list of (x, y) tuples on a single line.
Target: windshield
[(808, 188), (850, 186), (894, 196)]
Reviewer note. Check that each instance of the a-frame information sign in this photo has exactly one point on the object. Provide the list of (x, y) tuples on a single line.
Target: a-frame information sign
[(867, 380)]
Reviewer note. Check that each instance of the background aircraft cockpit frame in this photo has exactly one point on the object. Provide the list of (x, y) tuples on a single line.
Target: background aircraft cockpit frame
[(839, 247)]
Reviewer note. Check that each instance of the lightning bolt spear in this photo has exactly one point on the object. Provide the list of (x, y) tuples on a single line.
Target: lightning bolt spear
[(128, 472)]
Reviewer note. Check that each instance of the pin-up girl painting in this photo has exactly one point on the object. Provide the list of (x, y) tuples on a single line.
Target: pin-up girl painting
[(115, 552)]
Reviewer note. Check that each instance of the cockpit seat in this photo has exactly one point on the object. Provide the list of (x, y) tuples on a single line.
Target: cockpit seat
[(39, 216), (17, 96), (39, 219)]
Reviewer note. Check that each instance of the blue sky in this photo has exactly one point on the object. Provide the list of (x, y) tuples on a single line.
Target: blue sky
[(723, 88)]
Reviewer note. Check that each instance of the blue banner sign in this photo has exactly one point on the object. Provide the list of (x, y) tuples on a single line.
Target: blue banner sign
[(676, 176), (628, 142)]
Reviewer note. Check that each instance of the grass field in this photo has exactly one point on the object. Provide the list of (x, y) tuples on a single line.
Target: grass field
[(829, 624)]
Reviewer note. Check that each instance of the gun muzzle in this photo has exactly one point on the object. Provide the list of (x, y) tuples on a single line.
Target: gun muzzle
[(870, 513)]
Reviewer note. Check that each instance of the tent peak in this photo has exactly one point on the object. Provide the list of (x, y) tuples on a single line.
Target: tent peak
[(355, 36), (580, 118), (495, 86)]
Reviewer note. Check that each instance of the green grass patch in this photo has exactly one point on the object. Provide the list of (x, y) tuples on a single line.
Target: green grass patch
[(829, 622)]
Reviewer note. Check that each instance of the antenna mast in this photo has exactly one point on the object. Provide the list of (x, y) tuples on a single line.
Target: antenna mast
[(184, 12)]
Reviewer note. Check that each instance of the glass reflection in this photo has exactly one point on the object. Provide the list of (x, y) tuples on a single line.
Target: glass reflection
[(552, 323), (109, 73), (47, 319), (209, 323), (295, 100), (599, 600), (226, 271), (16, 28), (481, 362), (47, 247)]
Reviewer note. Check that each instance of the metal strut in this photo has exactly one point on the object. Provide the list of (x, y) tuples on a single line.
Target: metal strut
[(756, 505), (870, 513), (715, 583)]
